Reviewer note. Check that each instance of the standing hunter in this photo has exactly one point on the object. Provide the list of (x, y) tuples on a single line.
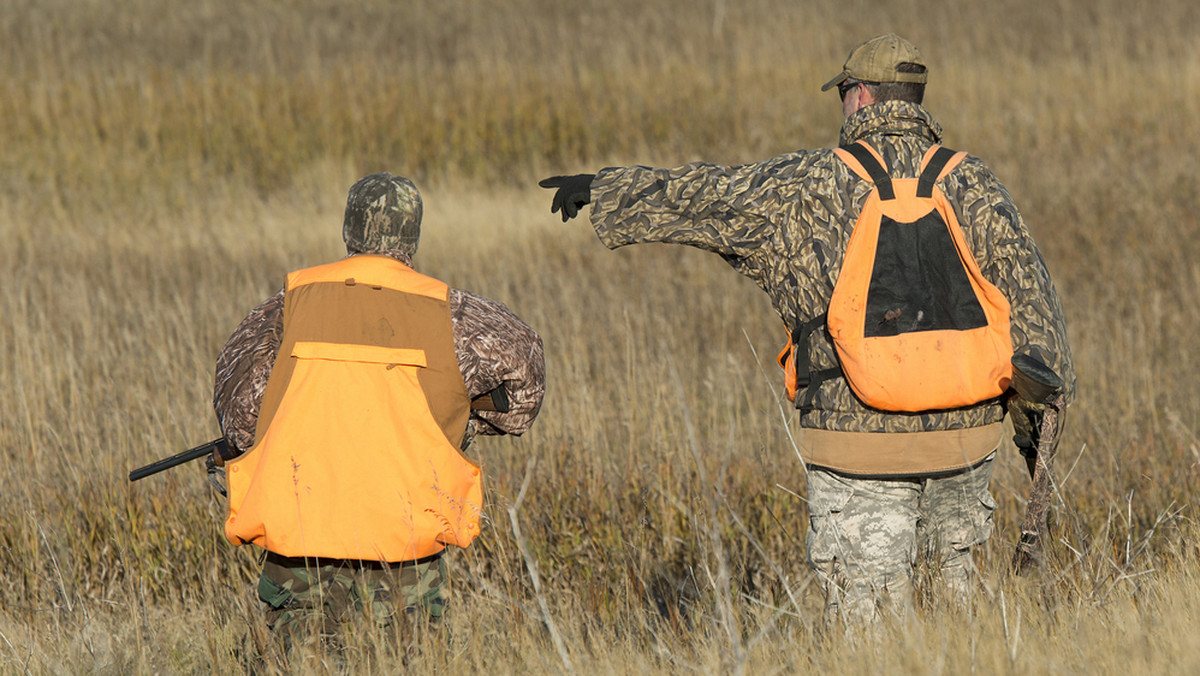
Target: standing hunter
[(348, 397), (887, 485)]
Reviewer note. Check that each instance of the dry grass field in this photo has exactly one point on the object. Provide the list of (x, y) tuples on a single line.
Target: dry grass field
[(163, 164)]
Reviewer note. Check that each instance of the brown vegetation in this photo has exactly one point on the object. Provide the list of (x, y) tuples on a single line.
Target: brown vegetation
[(165, 163)]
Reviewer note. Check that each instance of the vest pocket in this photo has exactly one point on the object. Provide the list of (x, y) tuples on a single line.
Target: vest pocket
[(366, 354)]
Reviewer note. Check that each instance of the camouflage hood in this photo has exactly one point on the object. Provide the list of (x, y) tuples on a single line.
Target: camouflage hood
[(891, 118)]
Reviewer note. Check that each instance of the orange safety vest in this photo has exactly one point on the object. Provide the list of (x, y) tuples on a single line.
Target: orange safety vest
[(356, 453), (915, 324)]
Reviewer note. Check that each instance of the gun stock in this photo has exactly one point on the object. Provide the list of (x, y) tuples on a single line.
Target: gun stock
[(495, 399), (1034, 381), (220, 445)]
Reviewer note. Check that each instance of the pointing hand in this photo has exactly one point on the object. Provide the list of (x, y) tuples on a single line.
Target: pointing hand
[(572, 193)]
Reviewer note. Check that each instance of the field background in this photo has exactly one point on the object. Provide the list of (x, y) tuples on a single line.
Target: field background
[(163, 164)]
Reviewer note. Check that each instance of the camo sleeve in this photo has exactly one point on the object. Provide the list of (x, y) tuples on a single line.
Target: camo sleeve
[(1014, 264), (243, 368), (493, 346), (731, 211)]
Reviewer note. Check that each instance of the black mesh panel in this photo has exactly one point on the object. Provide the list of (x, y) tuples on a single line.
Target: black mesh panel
[(918, 283)]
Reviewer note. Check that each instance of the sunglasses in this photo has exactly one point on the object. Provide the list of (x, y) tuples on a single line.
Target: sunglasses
[(845, 87)]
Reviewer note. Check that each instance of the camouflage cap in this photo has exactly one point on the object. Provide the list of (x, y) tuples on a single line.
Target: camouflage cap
[(383, 212), (876, 60)]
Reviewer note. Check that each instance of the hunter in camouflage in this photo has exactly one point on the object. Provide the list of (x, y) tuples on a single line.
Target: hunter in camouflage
[(493, 347), (785, 223)]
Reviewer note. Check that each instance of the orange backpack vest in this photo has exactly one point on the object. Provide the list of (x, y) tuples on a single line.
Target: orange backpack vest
[(356, 449), (915, 324)]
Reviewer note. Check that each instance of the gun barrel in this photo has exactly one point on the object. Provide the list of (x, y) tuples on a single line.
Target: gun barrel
[(177, 459)]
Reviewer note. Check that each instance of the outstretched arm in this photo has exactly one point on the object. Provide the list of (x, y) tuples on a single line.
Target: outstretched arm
[(730, 211)]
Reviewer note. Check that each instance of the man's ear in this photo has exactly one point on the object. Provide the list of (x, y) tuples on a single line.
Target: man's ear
[(866, 97)]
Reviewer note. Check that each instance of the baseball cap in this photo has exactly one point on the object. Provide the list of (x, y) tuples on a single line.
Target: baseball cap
[(383, 212), (876, 60)]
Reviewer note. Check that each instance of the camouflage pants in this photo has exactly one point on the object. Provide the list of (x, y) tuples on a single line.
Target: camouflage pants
[(306, 596), (867, 536)]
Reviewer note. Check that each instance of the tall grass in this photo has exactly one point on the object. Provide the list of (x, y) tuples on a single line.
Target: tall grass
[(165, 164)]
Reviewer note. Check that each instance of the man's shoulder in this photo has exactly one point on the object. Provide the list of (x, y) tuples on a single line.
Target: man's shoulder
[(471, 308), (801, 160), (973, 163), (973, 173)]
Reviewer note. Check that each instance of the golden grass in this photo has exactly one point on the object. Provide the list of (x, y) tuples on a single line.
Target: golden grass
[(164, 164)]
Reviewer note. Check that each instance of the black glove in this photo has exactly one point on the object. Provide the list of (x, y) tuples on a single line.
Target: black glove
[(1027, 424), (215, 468), (573, 192)]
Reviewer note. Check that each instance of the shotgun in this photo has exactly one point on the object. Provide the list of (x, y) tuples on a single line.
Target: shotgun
[(493, 400), (221, 446), (1037, 383)]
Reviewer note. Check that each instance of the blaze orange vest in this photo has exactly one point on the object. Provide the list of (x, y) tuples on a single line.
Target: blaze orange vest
[(915, 324), (356, 453)]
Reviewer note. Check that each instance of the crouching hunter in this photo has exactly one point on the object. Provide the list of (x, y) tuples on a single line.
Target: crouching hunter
[(351, 395)]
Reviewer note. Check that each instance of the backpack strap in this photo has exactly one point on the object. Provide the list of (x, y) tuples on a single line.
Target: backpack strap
[(868, 161), (806, 379), (938, 161), (810, 393)]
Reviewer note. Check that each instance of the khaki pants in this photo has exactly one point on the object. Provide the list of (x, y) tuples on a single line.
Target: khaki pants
[(866, 537)]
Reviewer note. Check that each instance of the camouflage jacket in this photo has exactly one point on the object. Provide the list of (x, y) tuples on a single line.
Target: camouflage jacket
[(493, 347), (785, 223)]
